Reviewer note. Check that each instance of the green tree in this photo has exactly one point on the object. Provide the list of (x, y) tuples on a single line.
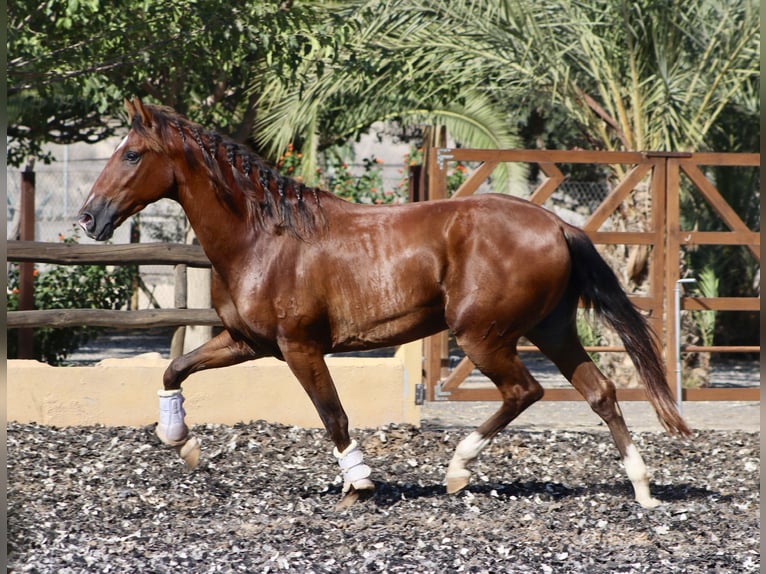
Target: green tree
[(71, 63), (603, 74)]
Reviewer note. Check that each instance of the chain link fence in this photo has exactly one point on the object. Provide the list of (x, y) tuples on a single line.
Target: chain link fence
[(574, 201)]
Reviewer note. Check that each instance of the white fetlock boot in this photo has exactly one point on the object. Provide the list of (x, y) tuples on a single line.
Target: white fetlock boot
[(355, 472), (172, 429)]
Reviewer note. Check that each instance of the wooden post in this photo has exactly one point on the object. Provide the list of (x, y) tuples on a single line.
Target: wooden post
[(198, 296), (180, 302), (414, 179), (657, 260), (433, 185), (434, 176), (27, 269), (135, 237)]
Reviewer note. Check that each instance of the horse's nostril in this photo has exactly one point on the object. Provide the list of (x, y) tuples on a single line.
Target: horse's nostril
[(86, 221)]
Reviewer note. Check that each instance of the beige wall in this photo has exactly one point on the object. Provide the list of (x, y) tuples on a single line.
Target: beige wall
[(374, 392)]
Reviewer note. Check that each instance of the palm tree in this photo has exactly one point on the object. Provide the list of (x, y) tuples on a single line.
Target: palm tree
[(364, 80), (633, 74), (636, 74)]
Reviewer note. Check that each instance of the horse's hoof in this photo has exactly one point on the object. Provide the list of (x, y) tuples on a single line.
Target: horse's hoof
[(352, 495), (456, 483), (159, 434), (650, 503), (190, 453)]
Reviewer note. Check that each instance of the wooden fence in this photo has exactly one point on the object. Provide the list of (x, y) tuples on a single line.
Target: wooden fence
[(178, 255), (663, 235)]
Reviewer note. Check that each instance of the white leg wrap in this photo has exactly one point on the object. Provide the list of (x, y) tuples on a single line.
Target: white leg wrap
[(355, 472), (172, 429), (467, 450), (636, 470)]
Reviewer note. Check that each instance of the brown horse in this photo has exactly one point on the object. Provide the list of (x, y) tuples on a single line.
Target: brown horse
[(298, 273)]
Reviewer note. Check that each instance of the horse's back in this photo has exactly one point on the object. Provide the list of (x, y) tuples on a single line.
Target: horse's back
[(389, 274)]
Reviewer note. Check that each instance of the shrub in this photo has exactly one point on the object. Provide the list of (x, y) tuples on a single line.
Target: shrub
[(69, 287)]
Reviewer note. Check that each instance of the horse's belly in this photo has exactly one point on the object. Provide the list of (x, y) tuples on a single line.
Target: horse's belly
[(374, 332)]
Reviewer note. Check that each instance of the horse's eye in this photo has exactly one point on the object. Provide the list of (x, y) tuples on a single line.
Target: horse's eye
[(132, 156)]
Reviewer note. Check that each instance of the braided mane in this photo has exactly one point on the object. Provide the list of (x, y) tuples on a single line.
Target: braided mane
[(274, 203)]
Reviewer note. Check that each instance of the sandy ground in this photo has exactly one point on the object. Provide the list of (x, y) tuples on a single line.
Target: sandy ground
[(577, 416)]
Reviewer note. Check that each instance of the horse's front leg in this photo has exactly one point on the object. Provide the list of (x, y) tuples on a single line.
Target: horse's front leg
[(220, 351), (308, 365)]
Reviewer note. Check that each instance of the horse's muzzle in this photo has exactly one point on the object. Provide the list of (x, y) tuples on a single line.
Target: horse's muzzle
[(92, 229)]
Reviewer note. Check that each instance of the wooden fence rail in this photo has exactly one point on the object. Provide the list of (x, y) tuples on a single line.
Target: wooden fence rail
[(139, 319), (127, 254)]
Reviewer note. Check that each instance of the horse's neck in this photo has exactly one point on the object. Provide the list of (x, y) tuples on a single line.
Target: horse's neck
[(221, 232), (227, 233)]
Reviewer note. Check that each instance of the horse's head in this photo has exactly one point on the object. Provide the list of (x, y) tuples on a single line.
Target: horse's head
[(138, 173)]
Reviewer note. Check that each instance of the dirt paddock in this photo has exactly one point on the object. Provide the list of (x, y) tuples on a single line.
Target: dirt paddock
[(106, 499)]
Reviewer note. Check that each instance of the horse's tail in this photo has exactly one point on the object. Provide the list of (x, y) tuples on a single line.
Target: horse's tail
[(600, 290)]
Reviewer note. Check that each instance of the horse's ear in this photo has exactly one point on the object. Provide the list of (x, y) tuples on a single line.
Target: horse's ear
[(130, 109), (142, 113)]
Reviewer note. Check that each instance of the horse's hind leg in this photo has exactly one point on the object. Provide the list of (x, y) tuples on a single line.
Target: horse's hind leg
[(560, 343), (518, 389)]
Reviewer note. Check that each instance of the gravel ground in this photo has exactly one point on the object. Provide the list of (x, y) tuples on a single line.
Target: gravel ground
[(106, 499)]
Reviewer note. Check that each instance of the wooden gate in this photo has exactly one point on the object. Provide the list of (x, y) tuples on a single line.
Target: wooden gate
[(663, 235)]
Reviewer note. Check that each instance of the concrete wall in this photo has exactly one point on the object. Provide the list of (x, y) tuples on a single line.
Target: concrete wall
[(123, 392)]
